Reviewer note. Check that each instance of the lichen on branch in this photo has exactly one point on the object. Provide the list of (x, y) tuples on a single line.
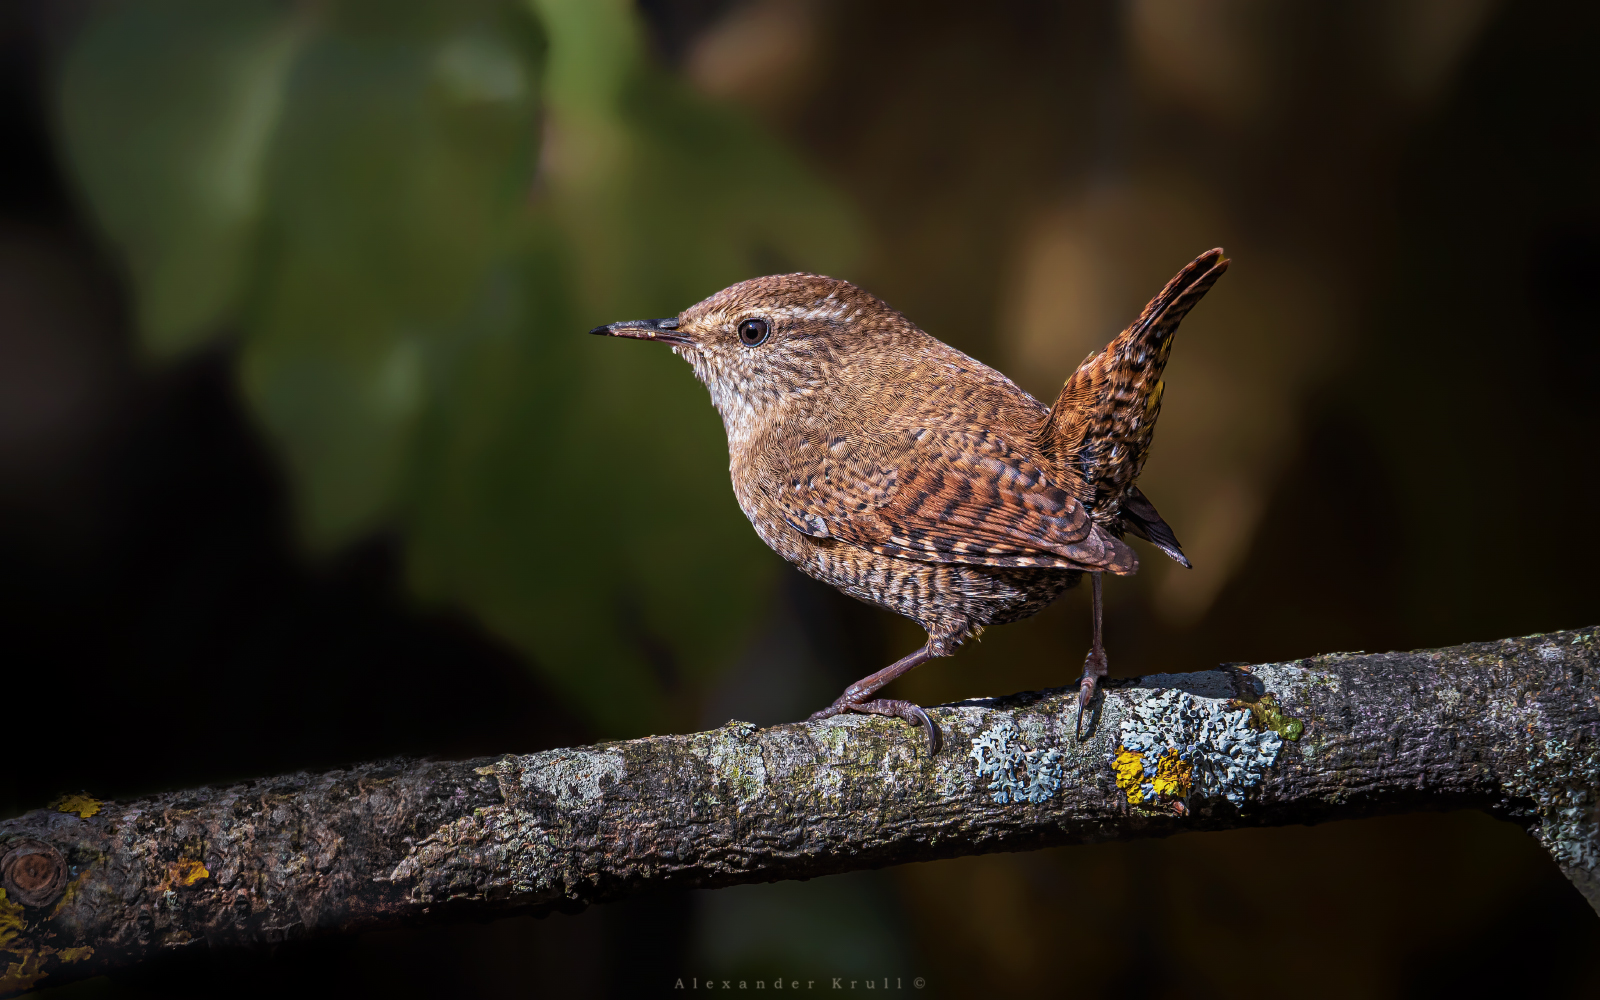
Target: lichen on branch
[(1511, 727)]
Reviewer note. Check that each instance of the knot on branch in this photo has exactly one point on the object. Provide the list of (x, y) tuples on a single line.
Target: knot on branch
[(33, 873)]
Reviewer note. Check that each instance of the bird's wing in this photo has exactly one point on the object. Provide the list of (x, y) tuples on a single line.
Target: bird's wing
[(937, 495)]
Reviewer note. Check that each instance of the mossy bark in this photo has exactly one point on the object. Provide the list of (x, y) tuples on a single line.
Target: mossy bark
[(1511, 727)]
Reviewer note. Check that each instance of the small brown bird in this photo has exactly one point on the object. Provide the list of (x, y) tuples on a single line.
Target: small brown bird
[(910, 476)]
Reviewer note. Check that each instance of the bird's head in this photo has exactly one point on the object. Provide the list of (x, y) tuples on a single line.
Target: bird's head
[(771, 343)]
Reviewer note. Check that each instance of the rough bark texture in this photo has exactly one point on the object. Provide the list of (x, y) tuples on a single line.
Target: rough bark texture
[(1511, 727)]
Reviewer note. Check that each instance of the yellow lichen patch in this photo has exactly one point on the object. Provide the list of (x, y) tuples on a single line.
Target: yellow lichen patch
[(186, 871), (83, 805), (1172, 776), (76, 954), (1129, 767), (21, 975), (11, 922)]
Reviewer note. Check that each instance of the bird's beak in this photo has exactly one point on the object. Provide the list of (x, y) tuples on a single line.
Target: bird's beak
[(664, 330)]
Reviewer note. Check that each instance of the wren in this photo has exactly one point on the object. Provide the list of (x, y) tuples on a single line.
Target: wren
[(913, 477)]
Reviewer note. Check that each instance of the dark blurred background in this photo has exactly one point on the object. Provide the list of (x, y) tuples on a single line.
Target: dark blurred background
[(304, 458)]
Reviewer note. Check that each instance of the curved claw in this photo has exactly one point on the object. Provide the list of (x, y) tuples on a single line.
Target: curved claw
[(1086, 689), (930, 729), (1094, 668)]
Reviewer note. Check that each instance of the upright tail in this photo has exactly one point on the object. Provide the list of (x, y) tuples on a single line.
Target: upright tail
[(1099, 431)]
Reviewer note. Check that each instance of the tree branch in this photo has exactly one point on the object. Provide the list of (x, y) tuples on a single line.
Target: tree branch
[(1511, 727)]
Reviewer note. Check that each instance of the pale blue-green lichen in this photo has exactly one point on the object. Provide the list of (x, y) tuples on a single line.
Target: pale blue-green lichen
[(573, 777), (735, 760), (833, 736), (1224, 754), (1015, 773)]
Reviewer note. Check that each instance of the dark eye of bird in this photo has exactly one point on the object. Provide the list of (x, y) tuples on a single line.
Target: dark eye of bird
[(754, 332)]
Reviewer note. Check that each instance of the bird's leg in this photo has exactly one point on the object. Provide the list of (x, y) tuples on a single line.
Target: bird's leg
[(1094, 665), (855, 697)]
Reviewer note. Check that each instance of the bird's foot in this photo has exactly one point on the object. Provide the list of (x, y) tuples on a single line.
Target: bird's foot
[(1094, 668), (909, 711)]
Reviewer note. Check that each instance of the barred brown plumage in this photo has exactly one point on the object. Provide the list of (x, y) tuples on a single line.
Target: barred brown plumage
[(905, 473)]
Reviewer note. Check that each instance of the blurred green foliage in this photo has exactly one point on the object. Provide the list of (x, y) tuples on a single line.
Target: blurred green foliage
[(406, 214)]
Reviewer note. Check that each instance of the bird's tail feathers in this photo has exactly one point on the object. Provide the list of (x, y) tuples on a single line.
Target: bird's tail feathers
[(1140, 516), (1097, 434)]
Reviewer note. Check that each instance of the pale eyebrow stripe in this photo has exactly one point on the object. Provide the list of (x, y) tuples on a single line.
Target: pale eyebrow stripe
[(835, 312)]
